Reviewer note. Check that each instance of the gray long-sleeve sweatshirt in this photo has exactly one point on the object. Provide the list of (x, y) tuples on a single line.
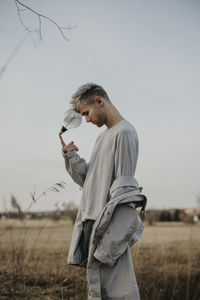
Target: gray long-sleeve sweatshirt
[(114, 155)]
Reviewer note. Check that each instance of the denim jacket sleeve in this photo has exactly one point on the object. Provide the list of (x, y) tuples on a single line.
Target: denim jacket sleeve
[(116, 239)]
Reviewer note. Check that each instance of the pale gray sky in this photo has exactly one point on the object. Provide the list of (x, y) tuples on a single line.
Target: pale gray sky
[(144, 53)]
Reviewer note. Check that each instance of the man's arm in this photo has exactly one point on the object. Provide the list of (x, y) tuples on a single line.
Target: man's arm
[(124, 221), (74, 164)]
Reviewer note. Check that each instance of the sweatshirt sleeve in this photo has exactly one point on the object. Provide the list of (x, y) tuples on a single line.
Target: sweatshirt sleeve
[(124, 220), (126, 156), (75, 166), (123, 224)]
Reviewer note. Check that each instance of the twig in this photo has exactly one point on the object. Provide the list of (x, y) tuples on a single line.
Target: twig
[(21, 42), (19, 15), (55, 188), (40, 16)]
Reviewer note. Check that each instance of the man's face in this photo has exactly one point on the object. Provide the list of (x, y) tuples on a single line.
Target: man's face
[(93, 113)]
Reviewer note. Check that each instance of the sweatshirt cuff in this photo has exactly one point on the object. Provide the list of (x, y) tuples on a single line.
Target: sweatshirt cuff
[(68, 154)]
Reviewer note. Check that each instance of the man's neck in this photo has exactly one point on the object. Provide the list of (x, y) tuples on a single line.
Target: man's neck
[(113, 116)]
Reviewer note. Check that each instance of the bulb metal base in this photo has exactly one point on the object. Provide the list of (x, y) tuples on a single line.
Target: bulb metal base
[(63, 129)]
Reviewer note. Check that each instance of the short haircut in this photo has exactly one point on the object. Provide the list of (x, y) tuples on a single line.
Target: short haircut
[(85, 94)]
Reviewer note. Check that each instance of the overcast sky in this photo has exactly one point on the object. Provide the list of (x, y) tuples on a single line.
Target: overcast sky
[(146, 56)]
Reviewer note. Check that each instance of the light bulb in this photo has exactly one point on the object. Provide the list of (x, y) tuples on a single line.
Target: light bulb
[(72, 119)]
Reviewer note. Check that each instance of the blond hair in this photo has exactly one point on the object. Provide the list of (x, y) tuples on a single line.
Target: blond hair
[(85, 93)]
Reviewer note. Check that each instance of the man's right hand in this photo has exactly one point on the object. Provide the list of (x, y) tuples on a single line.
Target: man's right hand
[(67, 148)]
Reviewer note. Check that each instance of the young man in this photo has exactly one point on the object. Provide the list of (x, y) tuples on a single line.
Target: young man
[(107, 224)]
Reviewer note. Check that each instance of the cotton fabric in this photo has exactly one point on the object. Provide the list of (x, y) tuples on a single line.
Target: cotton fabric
[(109, 197)]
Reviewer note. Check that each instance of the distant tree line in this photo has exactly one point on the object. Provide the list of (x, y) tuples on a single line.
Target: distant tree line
[(69, 210), (173, 215)]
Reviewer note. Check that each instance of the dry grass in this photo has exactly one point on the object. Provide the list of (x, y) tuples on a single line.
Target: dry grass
[(167, 262), (33, 262)]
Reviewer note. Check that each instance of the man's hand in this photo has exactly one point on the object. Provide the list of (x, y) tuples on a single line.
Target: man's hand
[(67, 148)]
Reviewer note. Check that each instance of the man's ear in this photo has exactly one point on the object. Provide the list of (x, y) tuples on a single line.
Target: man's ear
[(99, 101)]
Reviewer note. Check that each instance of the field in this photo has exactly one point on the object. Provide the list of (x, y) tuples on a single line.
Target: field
[(33, 262)]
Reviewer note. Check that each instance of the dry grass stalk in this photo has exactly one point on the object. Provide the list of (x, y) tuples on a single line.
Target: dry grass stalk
[(57, 187)]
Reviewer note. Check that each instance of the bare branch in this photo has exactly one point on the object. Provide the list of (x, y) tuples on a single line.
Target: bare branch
[(40, 27), (69, 28), (21, 42), (19, 15), (40, 16)]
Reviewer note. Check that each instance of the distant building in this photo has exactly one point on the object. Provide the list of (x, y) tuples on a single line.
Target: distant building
[(193, 213)]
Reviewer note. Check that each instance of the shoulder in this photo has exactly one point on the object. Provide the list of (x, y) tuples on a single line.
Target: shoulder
[(126, 129), (99, 137)]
